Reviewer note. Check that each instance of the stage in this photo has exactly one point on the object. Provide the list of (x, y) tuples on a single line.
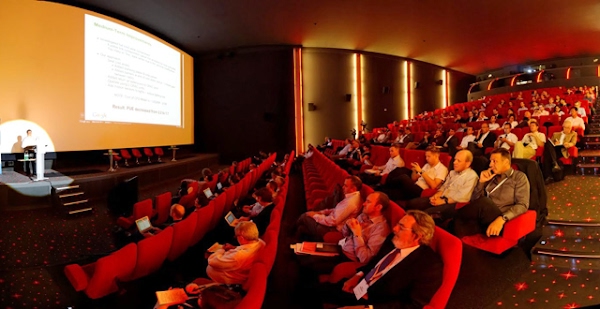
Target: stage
[(18, 192)]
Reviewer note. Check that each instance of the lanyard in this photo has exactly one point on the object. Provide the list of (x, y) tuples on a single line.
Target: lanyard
[(498, 186)]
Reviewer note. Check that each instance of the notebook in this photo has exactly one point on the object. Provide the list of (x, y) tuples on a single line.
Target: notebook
[(143, 224), (219, 186)]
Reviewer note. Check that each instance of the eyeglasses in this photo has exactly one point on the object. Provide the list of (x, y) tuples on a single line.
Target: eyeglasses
[(404, 228)]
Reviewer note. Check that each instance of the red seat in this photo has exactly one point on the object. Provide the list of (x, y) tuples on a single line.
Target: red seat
[(140, 210), (116, 159), (158, 151), (100, 278), (203, 224), (137, 154), (148, 153), (126, 155), (151, 253), (188, 201), (183, 234), (162, 207), (256, 287), (514, 230), (450, 249)]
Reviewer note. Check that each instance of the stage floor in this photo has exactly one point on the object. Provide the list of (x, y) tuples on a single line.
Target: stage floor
[(18, 191)]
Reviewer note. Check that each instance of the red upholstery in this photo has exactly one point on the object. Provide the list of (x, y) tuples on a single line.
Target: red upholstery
[(256, 287), (183, 234), (162, 208), (140, 210), (126, 155), (137, 154), (148, 153), (219, 210), (450, 249), (151, 253), (513, 230), (100, 278), (188, 201), (268, 253), (159, 151), (203, 223)]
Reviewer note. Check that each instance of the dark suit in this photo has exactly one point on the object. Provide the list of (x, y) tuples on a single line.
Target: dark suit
[(410, 284), (409, 138), (489, 141), (452, 143)]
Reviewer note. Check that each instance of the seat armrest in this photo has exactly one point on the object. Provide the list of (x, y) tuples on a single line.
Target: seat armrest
[(77, 277)]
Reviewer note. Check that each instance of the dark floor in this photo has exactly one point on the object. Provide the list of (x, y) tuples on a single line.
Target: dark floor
[(31, 273)]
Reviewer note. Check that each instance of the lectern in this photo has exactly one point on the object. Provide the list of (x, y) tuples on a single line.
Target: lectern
[(40, 161)]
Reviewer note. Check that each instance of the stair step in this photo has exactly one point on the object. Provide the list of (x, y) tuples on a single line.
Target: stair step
[(592, 135), (588, 165), (76, 202), (67, 188), (70, 194), (80, 210), (589, 153), (558, 250), (592, 143)]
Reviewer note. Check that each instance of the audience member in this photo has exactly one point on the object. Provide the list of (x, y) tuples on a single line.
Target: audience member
[(327, 145), (506, 140), (176, 214), (431, 175), (526, 148), (405, 138), (540, 111), (450, 144), (231, 264), (580, 110), (575, 120), (501, 195), (260, 212), (363, 236), (511, 121), (558, 145), (457, 188), (395, 161), (466, 139), (405, 274), (493, 125), (485, 139), (312, 225)]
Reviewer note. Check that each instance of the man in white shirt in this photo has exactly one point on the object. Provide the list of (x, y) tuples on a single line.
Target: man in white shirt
[(457, 188), (313, 225), (575, 120), (522, 107), (28, 144), (580, 110), (466, 139), (431, 175), (526, 148), (506, 140), (231, 264), (395, 161), (493, 125)]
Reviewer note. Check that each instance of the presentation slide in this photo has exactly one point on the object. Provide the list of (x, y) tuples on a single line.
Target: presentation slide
[(130, 77), (84, 81)]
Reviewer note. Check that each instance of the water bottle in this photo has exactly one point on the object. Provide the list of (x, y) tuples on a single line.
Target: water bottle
[(26, 156)]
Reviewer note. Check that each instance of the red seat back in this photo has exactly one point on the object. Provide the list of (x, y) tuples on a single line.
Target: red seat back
[(136, 153), (450, 249), (163, 206), (183, 234), (142, 209), (151, 253), (148, 152), (125, 154)]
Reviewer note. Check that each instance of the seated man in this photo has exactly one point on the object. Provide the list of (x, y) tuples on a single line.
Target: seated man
[(403, 139), (506, 140), (405, 274), (526, 148), (260, 212), (312, 225), (424, 141), (559, 143), (484, 139), (395, 161), (469, 137), (328, 144), (450, 144), (231, 264), (363, 236), (344, 151), (501, 195), (575, 120), (429, 176), (493, 125), (176, 214), (457, 188)]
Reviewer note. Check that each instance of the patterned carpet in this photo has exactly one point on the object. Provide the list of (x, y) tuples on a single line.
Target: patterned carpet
[(575, 199)]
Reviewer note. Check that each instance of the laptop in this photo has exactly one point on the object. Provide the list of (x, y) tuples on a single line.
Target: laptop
[(219, 186), (230, 217), (208, 193), (143, 224)]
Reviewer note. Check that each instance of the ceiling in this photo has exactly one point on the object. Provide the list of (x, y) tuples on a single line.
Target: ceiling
[(464, 35)]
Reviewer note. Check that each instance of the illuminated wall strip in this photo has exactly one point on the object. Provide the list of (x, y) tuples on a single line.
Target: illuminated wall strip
[(404, 102), (512, 80), (444, 90), (598, 71), (298, 107), (569, 73), (358, 92), (539, 76), (490, 84), (447, 88), (408, 89)]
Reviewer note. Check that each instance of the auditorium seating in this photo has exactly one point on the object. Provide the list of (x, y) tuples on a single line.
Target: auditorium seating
[(162, 208), (148, 153), (448, 246), (136, 261), (126, 156), (140, 210), (158, 151), (137, 154)]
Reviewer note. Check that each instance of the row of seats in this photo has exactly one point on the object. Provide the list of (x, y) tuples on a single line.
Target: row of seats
[(320, 176), (135, 261), (124, 154)]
